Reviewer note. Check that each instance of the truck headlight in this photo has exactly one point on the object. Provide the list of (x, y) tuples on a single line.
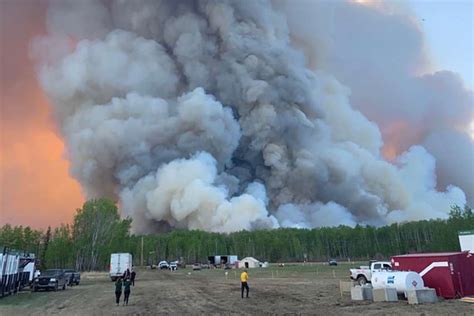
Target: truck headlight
[(53, 280)]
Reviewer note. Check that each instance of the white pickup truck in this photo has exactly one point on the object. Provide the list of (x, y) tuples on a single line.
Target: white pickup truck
[(363, 274)]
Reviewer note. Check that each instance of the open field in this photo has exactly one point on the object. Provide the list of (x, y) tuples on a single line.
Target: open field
[(298, 289)]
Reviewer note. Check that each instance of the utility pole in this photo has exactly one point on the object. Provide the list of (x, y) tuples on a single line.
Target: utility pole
[(141, 257)]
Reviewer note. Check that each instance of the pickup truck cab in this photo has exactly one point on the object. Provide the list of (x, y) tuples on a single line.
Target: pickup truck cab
[(51, 279), (363, 274)]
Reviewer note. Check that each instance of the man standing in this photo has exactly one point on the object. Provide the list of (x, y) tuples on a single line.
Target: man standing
[(118, 290), (126, 291), (132, 276), (243, 283)]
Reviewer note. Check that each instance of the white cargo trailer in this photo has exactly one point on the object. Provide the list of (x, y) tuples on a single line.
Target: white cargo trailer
[(119, 263)]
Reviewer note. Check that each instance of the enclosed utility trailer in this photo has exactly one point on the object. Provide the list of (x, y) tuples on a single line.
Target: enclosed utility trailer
[(451, 274)]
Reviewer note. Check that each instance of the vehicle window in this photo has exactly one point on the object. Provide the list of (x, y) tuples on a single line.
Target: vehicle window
[(377, 266), (387, 267)]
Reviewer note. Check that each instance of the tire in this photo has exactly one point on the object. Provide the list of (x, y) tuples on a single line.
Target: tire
[(77, 282), (361, 280), (56, 287), (64, 286)]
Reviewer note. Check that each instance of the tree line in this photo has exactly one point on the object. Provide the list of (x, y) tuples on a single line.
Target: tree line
[(98, 230)]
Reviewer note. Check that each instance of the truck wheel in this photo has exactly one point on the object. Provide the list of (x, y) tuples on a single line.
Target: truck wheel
[(361, 280), (64, 286)]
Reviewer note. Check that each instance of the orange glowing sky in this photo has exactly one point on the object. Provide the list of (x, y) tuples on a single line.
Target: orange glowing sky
[(35, 187)]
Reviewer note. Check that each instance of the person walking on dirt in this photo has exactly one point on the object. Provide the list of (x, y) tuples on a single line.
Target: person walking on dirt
[(126, 292), (132, 276), (118, 290), (243, 283)]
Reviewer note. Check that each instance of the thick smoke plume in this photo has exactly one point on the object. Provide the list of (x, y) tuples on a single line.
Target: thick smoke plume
[(204, 115)]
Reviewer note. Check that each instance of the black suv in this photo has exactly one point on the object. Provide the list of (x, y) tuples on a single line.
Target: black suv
[(51, 279), (72, 276)]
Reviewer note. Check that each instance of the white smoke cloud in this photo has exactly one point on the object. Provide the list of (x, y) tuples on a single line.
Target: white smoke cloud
[(202, 115), (183, 193), (379, 52)]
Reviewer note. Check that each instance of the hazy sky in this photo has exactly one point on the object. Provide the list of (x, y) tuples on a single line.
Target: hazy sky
[(448, 26)]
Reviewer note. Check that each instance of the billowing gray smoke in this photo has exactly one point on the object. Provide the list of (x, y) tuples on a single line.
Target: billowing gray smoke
[(201, 115)]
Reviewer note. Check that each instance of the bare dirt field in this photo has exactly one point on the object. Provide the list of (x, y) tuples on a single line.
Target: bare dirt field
[(309, 289)]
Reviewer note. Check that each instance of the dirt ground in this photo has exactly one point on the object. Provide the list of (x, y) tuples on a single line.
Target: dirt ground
[(310, 289)]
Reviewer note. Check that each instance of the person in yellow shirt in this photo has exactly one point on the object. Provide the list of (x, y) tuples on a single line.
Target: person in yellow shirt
[(243, 283)]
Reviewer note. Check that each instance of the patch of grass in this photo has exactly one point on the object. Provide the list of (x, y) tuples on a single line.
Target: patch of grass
[(25, 299), (307, 271)]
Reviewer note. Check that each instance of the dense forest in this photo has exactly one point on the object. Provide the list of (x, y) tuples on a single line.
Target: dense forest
[(98, 231)]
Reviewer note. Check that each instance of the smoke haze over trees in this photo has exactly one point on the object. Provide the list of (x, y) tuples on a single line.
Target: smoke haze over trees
[(98, 231), (233, 115)]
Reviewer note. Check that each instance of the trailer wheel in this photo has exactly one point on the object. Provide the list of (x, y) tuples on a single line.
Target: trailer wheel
[(361, 280)]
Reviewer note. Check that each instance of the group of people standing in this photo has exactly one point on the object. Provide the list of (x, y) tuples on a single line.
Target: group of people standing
[(125, 281)]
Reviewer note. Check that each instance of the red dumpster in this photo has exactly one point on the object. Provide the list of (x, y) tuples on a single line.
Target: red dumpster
[(450, 273)]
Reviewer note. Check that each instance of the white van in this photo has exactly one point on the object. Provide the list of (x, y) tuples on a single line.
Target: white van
[(119, 263)]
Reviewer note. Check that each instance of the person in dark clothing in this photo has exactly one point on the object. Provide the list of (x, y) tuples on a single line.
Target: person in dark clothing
[(118, 290), (132, 277), (126, 292), (244, 277), (126, 274)]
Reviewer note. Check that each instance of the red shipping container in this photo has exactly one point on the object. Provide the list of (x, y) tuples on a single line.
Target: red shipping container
[(450, 273)]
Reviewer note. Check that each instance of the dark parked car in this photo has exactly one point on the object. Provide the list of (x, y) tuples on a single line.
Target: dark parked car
[(51, 279), (333, 262), (72, 276)]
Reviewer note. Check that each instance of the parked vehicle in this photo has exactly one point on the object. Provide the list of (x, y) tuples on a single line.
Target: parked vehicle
[(73, 276), (51, 279), (173, 266), (363, 274), (163, 265), (9, 273), (332, 262), (119, 263), (27, 267), (196, 266)]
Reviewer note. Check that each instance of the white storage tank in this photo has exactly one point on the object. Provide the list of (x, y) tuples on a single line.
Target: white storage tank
[(402, 281)]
